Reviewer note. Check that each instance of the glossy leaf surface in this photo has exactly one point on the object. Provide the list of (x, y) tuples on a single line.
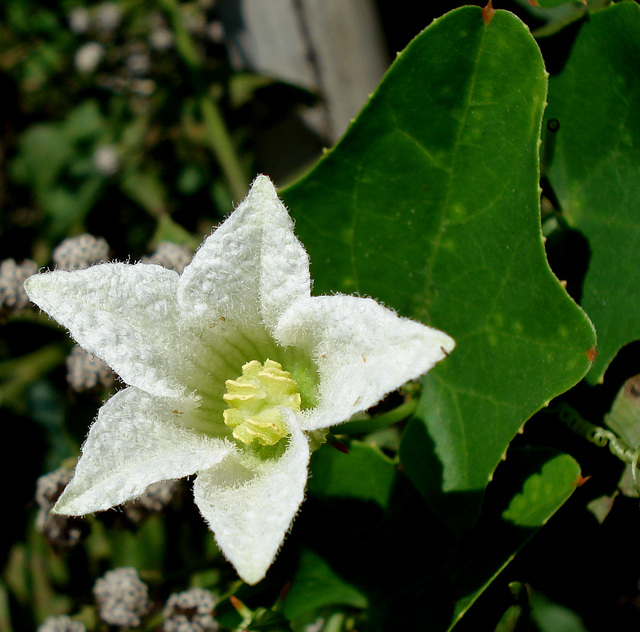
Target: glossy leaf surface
[(430, 203)]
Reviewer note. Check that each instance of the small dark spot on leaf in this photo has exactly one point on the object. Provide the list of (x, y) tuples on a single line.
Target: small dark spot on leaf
[(553, 125)]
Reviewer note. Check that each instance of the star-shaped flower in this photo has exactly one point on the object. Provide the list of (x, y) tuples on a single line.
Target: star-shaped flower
[(233, 370)]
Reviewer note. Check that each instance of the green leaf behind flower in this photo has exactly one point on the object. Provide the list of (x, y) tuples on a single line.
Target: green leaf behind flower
[(430, 203), (364, 473)]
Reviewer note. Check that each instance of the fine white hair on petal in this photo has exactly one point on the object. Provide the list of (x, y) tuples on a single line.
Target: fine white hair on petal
[(124, 314), (251, 268), (136, 441), (363, 351), (251, 511)]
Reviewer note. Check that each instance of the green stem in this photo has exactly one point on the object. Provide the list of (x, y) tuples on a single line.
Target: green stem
[(183, 41), (334, 622), (222, 146), (27, 369), (153, 623), (599, 436), (218, 137), (399, 413), (4, 608)]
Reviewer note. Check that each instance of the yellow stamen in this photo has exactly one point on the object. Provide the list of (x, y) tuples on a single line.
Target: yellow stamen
[(255, 400)]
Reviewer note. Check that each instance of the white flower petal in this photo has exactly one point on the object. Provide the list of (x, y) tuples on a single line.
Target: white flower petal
[(124, 314), (176, 340), (251, 268), (136, 440), (363, 351), (251, 511)]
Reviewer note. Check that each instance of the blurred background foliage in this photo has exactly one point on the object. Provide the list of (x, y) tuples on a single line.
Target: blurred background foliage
[(143, 122)]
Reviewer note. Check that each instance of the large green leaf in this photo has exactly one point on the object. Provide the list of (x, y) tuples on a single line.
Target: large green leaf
[(595, 166), (430, 203)]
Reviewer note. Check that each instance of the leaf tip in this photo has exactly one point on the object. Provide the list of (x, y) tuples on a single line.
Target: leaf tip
[(581, 480), (487, 13), (241, 609)]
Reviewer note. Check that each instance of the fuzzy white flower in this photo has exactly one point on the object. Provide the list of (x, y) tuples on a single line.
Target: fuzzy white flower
[(232, 368)]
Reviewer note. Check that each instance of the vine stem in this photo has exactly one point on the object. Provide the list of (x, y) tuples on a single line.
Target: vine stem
[(27, 369), (602, 437)]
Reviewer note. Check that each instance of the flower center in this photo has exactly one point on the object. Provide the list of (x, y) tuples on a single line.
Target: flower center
[(255, 400)]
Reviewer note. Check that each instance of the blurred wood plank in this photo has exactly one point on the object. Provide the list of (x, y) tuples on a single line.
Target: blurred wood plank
[(334, 48)]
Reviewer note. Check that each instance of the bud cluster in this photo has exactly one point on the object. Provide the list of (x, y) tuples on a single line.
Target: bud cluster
[(62, 623), (190, 611), (62, 532), (122, 597), (86, 372), (81, 251), (171, 256), (12, 275)]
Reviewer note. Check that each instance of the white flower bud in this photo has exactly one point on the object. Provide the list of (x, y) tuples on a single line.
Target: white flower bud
[(107, 160), (79, 20), (108, 16), (161, 38), (88, 56), (215, 32)]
